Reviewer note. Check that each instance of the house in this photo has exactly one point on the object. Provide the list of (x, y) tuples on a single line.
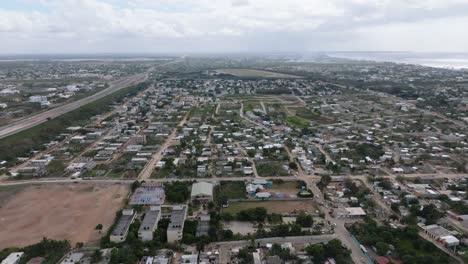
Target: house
[(441, 234), (189, 259), (176, 226), (202, 191), (72, 258), (202, 170), (120, 231), (149, 223), (13, 258)]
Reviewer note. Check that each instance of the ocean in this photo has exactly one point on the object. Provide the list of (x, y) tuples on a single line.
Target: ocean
[(450, 60)]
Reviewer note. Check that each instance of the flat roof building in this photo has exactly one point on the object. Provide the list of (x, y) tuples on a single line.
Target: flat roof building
[(176, 226), (120, 231), (13, 258), (202, 191), (149, 223)]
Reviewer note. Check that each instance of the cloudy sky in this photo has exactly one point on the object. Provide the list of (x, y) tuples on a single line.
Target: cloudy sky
[(93, 26)]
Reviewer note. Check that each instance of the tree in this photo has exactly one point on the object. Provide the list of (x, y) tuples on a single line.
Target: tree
[(177, 192), (96, 256), (382, 248), (324, 181), (293, 165), (99, 228), (258, 214), (304, 220), (135, 185), (316, 251), (431, 214), (79, 245)]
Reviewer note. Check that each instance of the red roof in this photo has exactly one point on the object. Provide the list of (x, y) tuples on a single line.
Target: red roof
[(381, 260)]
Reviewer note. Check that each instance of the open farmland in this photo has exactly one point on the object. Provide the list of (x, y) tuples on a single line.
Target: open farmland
[(58, 212), (254, 73), (278, 207)]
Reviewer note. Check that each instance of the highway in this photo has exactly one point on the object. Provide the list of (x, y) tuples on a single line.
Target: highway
[(40, 118)]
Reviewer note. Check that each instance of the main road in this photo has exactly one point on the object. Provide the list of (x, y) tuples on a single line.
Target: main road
[(40, 118)]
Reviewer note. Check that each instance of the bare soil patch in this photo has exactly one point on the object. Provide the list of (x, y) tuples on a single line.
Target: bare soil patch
[(59, 212)]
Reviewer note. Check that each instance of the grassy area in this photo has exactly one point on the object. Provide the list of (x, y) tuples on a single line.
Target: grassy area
[(278, 207), (271, 169), (297, 122), (291, 187), (229, 190), (251, 105), (21, 143)]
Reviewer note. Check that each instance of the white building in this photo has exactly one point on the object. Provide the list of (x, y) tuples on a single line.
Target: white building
[(149, 223), (13, 258), (175, 228), (37, 99), (202, 191), (120, 231)]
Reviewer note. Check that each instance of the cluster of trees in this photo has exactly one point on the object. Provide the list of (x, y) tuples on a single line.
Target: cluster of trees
[(304, 220), (283, 253), (333, 249), (459, 207), (324, 181), (409, 247), (51, 250), (282, 230), (271, 169), (257, 214), (190, 232), (367, 150), (177, 192), (354, 190)]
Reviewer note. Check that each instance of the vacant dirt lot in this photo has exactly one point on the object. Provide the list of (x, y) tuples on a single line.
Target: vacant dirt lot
[(58, 212), (279, 207)]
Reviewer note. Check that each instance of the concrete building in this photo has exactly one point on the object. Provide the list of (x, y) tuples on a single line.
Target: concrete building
[(13, 258), (149, 223), (120, 232), (202, 191), (441, 234), (72, 258), (175, 228)]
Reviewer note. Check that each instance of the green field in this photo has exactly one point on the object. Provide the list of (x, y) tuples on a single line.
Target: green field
[(297, 122), (229, 190), (278, 207)]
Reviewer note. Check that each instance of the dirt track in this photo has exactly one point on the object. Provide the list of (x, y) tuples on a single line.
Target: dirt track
[(58, 212)]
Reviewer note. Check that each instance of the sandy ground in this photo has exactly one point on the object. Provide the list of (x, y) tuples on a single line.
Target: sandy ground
[(58, 212)]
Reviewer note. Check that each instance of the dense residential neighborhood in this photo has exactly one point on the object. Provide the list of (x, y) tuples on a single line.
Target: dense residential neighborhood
[(215, 160)]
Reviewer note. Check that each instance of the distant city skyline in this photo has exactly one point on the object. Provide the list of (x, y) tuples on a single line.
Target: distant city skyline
[(203, 26)]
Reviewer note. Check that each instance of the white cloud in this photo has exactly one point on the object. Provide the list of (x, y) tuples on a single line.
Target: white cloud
[(206, 25)]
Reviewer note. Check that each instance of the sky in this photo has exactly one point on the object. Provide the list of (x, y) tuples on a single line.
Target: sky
[(220, 26)]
